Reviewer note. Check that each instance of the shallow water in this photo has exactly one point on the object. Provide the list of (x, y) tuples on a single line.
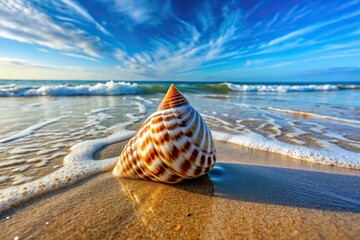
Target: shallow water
[(37, 132)]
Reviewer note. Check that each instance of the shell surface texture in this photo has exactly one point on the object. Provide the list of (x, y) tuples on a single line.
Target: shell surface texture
[(172, 144)]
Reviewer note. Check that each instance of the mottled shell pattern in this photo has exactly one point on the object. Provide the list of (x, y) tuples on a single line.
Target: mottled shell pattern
[(172, 144)]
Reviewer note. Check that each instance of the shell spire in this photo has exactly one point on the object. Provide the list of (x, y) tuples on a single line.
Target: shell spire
[(172, 144), (172, 99)]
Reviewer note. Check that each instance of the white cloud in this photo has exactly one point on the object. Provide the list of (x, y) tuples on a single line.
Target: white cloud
[(15, 68), (170, 57), (249, 63), (19, 62), (142, 11), (310, 29), (84, 13), (120, 54), (355, 44), (276, 65), (42, 50), (12, 60), (79, 56), (291, 35), (22, 21)]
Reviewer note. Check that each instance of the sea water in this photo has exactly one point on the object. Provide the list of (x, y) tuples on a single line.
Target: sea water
[(49, 130)]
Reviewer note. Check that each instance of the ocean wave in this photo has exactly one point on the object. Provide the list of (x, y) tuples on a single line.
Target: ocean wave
[(108, 88), (288, 88), (128, 88)]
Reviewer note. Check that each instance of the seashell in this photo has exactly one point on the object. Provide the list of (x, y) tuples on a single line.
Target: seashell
[(172, 144)]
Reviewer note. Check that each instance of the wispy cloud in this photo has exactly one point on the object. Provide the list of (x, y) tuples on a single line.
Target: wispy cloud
[(74, 6), (19, 62), (79, 56), (22, 21), (249, 63), (42, 50), (17, 68), (167, 39), (276, 65), (291, 35), (169, 58), (308, 29), (355, 44), (142, 11)]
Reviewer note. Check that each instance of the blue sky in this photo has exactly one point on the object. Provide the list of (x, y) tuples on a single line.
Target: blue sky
[(184, 40)]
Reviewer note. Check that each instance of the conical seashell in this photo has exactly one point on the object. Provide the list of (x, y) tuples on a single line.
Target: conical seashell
[(172, 144)]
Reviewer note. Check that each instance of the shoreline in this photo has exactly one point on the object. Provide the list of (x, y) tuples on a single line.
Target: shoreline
[(261, 194)]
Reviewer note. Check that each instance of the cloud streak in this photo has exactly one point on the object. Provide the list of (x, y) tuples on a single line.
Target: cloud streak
[(188, 52), (84, 13), (22, 21)]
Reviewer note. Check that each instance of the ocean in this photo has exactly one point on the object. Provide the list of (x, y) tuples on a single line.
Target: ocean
[(50, 130)]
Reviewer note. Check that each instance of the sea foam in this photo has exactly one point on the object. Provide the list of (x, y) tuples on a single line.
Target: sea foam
[(331, 154), (107, 88), (127, 88), (286, 88), (78, 164), (30, 130), (314, 115)]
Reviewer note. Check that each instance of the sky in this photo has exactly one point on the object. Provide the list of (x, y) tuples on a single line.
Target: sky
[(303, 41)]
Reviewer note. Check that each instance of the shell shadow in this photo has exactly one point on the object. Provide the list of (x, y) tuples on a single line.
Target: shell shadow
[(261, 184), (284, 186)]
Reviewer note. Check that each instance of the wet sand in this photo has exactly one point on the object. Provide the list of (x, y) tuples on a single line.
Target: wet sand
[(249, 194)]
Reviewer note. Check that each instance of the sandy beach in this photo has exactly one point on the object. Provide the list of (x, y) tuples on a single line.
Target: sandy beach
[(170, 119), (249, 194)]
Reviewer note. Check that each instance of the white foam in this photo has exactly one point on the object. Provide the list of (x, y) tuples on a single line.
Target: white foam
[(46, 151), (58, 154), (30, 130), (42, 163), (32, 160), (331, 154), (4, 179), (11, 162), (127, 88), (59, 145), (21, 168), (285, 88), (141, 107), (19, 179), (108, 88), (314, 115), (144, 100), (98, 110), (14, 157), (23, 150), (78, 164)]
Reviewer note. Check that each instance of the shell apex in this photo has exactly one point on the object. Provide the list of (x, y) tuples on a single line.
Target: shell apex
[(173, 98)]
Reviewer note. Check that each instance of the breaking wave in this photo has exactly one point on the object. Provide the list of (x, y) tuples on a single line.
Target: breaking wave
[(128, 88)]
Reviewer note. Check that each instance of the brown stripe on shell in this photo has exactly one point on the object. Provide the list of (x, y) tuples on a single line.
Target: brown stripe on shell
[(172, 144), (170, 102)]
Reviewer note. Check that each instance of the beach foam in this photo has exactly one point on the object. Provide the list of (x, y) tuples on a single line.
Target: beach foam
[(78, 164), (287, 88), (30, 130), (314, 115), (331, 154), (127, 88), (108, 88)]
